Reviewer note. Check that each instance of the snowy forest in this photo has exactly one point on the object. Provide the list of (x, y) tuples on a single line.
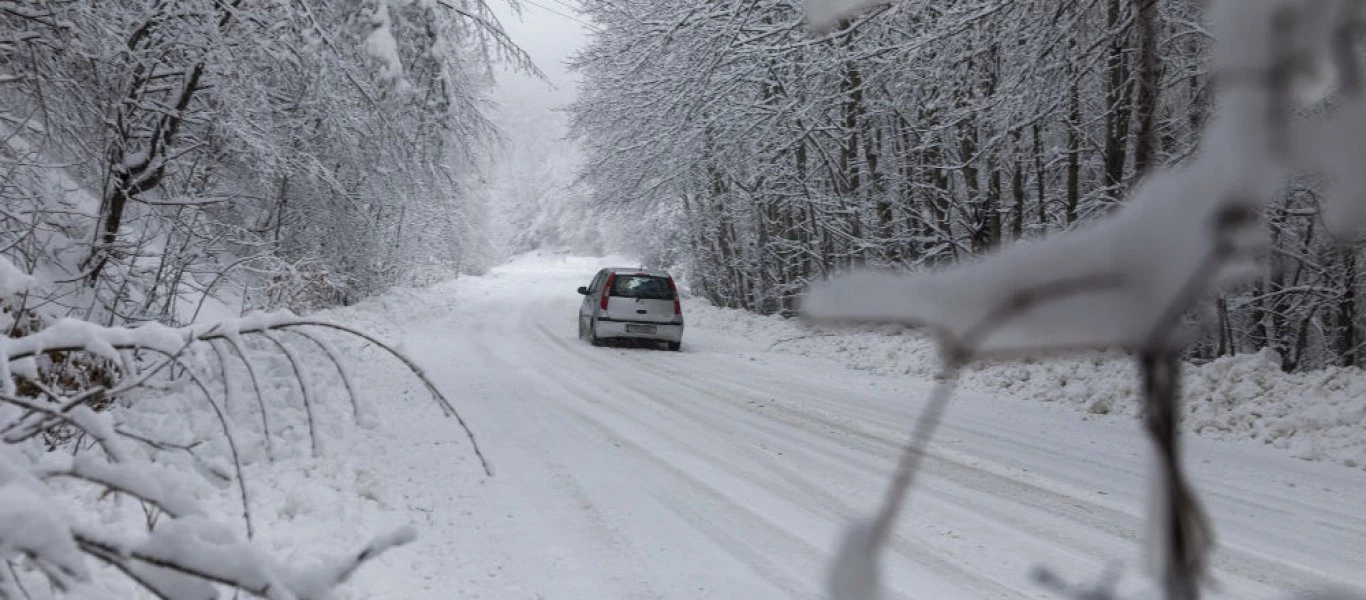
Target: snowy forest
[(167, 166), (157, 152), (921, 134), (288, 298)]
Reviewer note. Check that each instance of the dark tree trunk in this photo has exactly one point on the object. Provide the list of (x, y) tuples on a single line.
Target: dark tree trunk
[(1017, 191), (1117, 102), (993, 204), (1073, 154), (1039, 180), (1149, 79), (1347, 310)]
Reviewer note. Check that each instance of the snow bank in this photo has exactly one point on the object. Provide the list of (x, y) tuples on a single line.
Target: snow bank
[(1317, 416)]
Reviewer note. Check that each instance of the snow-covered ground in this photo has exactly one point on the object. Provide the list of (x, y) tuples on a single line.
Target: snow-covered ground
[(1317, 415), (729, 469)]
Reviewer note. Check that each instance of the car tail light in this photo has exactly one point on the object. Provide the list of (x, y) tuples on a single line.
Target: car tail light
[(678, 307), (607, 290)]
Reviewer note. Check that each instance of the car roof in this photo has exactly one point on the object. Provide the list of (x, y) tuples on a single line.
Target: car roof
[(638, 270)]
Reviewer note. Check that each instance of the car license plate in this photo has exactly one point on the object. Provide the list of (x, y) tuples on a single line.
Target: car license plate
[(640, 328)]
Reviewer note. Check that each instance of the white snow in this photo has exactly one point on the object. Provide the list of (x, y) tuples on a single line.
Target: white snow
[(1318, 415), (381, 45), (32, 526), (724, 471), (728, 470), (14, 281), (824, 14)]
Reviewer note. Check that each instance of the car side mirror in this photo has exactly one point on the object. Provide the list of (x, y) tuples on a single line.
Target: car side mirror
[(583, 291)]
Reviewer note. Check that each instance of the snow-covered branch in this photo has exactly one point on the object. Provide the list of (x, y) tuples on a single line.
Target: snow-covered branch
[(1127, 280), (185, 553)]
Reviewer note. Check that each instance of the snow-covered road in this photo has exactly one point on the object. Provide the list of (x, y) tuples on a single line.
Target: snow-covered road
[(725, 471)]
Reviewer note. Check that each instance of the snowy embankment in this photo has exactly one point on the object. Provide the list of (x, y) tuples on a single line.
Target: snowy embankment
[(1319, 415)]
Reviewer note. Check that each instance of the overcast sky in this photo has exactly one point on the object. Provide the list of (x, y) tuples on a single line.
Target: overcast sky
[(548, 31), (530, 177)]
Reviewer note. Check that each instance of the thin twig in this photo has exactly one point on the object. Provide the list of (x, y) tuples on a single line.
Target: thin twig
[(336, 363), (260, 396), (421, 375), (304, 390)]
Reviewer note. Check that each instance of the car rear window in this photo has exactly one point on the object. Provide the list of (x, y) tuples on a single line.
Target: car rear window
[(649, 287)]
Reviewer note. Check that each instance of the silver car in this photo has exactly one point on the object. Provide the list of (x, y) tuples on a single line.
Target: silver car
[(631, 304)]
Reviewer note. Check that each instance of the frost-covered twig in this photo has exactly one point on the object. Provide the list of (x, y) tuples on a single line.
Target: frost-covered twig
[(304, 390), (184, 552), (242, 355), (331, 355), (191, 552), (797, 338), (854, 574), (70, 335), (421, 376), (1182, 530)]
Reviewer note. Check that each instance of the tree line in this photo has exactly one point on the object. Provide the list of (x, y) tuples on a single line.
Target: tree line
[(921, 134)]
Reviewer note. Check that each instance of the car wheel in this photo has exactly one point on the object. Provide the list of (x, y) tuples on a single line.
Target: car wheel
[(675, 346), (593, 334)]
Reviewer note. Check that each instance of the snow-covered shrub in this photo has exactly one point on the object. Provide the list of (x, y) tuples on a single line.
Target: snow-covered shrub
[(62, 371), (172, 414)]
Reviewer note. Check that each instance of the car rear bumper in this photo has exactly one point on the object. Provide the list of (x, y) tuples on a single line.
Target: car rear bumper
[(668, 332)]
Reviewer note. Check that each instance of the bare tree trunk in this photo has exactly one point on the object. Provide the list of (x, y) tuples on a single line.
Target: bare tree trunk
[(136, 163), (1149, 76), (1347, 309), (1017, 191), (280, 201), (993, 204), (1117, 102), (1073, 154), (1039, 180), (1223, 333), (967, 156)]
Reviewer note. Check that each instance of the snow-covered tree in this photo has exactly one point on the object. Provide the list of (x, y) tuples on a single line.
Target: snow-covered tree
[(299, 146), (920, 133), (166, 165)]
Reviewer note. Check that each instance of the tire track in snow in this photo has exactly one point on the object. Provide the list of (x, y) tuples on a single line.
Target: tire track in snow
[(1232, 491), (755, 555), (875, 474), (829, 504), (1253, 564), (1245, 563), (531, 424), (913, 550)]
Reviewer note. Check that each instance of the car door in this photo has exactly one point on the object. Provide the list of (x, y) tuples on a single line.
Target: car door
[(590, 300)]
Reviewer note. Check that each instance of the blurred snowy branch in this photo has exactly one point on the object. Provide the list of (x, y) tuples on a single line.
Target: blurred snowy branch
[(1128, 280)]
